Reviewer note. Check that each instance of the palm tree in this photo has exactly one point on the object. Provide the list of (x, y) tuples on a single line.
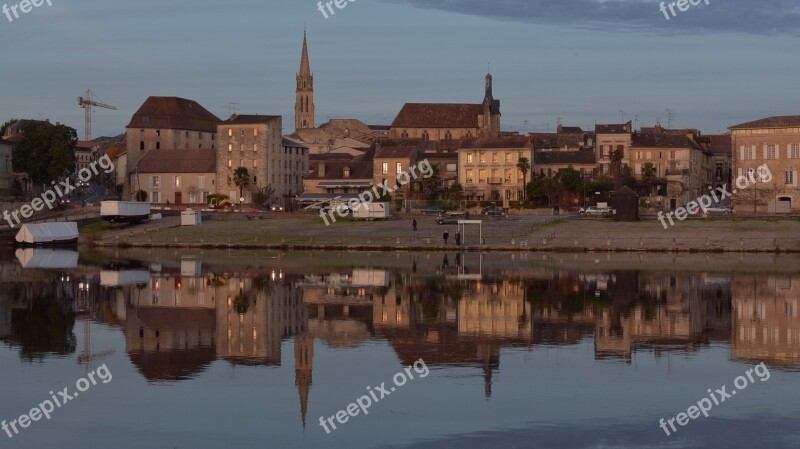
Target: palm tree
[(648, 176), (241, 177), (616, 167), (524, 165)]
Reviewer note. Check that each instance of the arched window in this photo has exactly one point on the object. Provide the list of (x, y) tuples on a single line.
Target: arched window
[(425, 135), (404, 135), (448, 135)]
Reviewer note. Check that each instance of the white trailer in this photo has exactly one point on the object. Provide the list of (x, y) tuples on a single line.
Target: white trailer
[(124, 211), (372, 211)]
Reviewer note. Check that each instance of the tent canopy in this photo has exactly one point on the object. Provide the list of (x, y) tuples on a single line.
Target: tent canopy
[(48, 232)]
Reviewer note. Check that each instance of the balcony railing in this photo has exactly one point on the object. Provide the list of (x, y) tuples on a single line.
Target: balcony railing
[(495, 180)]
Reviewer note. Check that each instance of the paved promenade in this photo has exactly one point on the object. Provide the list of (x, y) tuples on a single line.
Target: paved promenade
[(305, 231)]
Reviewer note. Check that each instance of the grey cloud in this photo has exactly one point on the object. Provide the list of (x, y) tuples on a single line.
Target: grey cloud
[(762, 17)]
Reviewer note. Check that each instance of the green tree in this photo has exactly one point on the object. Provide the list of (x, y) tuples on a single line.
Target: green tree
[(455, 193), (5, 126), (648, 175), (45, 152), (241, 177), (432, 186), (616, 167), (263, 195), (524, 165)]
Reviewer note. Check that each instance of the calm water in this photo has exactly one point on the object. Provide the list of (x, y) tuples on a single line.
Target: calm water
[(248, 349)]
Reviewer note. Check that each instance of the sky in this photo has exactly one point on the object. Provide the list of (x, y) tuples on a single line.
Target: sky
[(576, 62)]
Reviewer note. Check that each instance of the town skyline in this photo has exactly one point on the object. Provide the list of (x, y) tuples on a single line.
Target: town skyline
[(581, 83)]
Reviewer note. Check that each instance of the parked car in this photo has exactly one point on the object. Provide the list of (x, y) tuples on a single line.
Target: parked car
[(451, 217), (491, 210), (594, 210), (432, 210), (719, 210), (276, 208)]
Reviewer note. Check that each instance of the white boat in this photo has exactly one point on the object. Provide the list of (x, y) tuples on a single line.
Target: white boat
[(48, 234), (47, 258)]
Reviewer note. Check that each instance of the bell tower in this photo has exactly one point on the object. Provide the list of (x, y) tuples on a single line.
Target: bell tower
[(304, 96)]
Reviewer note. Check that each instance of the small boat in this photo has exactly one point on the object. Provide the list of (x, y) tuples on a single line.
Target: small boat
[(48, 234), (47, 258)]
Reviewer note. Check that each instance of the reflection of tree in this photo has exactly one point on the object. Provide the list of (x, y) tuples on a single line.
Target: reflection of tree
[(44, 328), (241, 303)]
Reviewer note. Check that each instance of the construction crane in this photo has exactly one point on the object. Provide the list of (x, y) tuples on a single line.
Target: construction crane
[(86, 104)]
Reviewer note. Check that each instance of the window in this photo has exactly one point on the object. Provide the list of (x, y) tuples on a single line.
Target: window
[(155, 182), (425, 135), (481, 175), (141, 145), (155, 197), (255, 163), (495, 158), (508, 175), (481, 158), (158, 133), (788, 176), (158, 145), (672, 154), (201, 182), (255, 147), (346, 172), (145, 119), (404, 135), (255, 132), (230, 133), (470, 176), (230, 163), (448, 135), (177, 182), (770, 152), (230, 147), (451, 168), (508, 158), (241, 132), (399, 168), (385, 168), (469, 158)]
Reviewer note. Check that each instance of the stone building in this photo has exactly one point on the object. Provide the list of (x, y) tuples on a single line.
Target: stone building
[(774, 141), (163, 123), (389, 162), (446, 121), (609, 138), (255, 143), (177, 176), (488, 168), (721, 149)]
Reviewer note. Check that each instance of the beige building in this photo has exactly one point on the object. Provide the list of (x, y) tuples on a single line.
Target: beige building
[(488, 168), (163, 123), (177, 176), (446, 121), (609, 138), (337, 177), (6, 168), (255, 143), (388, 163), (774, 141)]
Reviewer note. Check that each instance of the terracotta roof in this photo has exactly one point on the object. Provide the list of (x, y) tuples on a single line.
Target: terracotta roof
[(720, 143), (250, 119), (85, 145), (498, 142), (554, 140), (622, 128), (395, 152), (581, 157), (569, 130), (178, 161), (335, 170), (438, 115), (174, 113), (782, 121), (646, 140)]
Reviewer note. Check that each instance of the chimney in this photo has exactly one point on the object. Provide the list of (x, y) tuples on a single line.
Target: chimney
[(321, 169)]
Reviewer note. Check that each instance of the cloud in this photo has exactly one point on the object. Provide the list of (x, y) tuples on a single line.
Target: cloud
[(762, 17)]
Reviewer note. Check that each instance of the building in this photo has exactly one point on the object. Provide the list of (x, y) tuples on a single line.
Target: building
[(328, 178), (774, 141), (167, 123), (84, 154), (304, 94), (349, 136), (682, 165), (721, 147), (6, 167), (549, 163), (177, 177), (488, 168), (390, 162), (609, 138), (255, 143), (446, 121), (295, 160)]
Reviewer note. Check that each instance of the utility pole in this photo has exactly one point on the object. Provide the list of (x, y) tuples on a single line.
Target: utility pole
[(670, 116)]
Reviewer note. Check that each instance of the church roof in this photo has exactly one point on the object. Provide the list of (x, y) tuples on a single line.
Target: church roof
[(438, 115), (174, 113)]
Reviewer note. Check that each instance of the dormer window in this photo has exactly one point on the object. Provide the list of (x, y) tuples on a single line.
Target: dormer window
[(346, 172)]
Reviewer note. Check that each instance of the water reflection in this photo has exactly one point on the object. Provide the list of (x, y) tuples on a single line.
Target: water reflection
[(180, 314)]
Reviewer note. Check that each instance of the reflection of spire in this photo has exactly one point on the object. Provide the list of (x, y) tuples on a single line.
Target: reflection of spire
[(487, 376), (303, 367)]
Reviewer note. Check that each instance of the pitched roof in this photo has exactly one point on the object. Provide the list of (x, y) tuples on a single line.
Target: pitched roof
[(437, 115), (781, 121), (335, 169), (580, 157), (498, 142), (287, 142), (174, 113), (720, 144), (569, 130), (395, 152), (648, 140), (554, 140), (256, 119), (85, 144), (178, 161), (621, 128)]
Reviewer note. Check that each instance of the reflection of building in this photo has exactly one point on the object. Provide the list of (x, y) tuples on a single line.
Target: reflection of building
[(766, 326)]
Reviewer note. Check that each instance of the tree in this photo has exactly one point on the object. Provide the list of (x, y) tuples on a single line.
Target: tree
[(432, 185), (241, 177), (648, 175), (263, 195), (524, 165), (141, 196), (45, 152), (5, 126), (455, 193), (616, 168)]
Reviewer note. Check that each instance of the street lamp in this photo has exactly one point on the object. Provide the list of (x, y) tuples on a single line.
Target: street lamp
[(241, 204)]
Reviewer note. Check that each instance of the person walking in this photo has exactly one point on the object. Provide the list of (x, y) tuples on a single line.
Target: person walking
[(414, 224), (445, 236), (458, 238)]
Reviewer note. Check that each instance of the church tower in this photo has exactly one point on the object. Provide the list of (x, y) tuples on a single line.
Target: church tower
[(304, 103), (490, 112)]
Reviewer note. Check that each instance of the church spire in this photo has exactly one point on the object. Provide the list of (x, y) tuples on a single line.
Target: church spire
[(304, 102)]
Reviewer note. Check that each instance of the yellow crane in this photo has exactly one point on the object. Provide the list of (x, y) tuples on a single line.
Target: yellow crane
[(86, 104)]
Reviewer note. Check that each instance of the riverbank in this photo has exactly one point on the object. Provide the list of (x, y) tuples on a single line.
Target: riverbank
[(552, 234)]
